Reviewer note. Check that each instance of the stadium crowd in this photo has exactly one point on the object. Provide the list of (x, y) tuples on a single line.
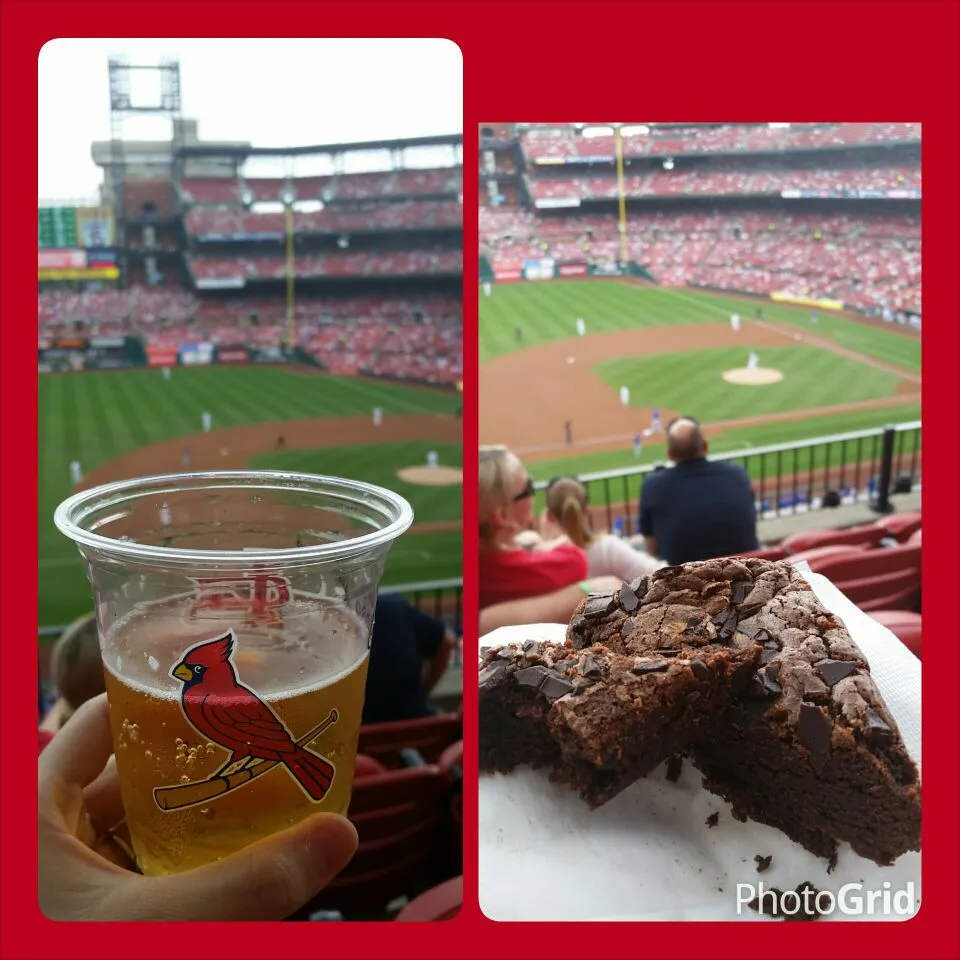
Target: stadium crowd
[(661, 141), (870, 263), (353, 186), (370, 215), (716, 182), (416, 338), (344, 263)]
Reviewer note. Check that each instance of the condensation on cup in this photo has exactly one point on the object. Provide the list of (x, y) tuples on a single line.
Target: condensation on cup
[(235, 612)]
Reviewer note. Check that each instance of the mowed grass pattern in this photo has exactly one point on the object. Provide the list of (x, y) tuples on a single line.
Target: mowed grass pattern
[(94, 417), (693, 381), (416, 556), (548, 311)]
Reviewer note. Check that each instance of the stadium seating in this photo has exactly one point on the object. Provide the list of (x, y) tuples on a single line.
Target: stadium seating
[(747, 182), (900, 526), (871, 263), (342, 187), (441, 902), (904, 624), (401, 818), (429, 736), (868, 535), (350, 263), (816, 554), (876, 579), (552, 144), (368, 216)]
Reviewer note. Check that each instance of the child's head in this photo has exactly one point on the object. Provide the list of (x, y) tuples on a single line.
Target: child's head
[(567, 503), (76, 665)]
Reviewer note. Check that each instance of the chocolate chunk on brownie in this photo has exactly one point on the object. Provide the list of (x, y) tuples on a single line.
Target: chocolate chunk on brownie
[(640, 711), (518, 684), (809, 747)]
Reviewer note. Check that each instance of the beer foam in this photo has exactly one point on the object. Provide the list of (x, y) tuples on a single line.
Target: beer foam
[(173, 693)]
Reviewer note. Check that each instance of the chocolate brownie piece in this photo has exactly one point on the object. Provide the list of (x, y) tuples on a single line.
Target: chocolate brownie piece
[(659, 660), (810, 747), (639, 711), (517, 686)]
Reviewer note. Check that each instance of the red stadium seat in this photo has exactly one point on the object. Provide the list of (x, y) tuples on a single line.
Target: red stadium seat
[(868, 535), (430, 736), (401, 818), (876, 579), (900, 526), (915, 538), (904, 624), (821, 553), (442, 902)]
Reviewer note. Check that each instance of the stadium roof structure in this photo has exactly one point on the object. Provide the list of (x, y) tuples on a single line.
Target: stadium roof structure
[(441, 140)]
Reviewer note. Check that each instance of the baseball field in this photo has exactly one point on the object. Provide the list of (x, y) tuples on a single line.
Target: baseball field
[(122, 424), (676, 350)]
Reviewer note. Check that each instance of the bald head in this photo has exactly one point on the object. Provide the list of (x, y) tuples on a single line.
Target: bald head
[(685, 440)]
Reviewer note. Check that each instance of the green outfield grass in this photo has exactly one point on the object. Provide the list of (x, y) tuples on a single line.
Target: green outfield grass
[(417, 556), (548, 311), (811, 378), (95, 417), (692, 381)]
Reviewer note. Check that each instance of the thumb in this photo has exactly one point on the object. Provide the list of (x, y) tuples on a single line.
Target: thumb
[(269, 880)]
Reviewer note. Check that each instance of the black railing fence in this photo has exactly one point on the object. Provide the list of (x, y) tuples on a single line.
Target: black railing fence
[(863, 466)]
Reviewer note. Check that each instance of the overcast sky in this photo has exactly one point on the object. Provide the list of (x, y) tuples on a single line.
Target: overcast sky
[(272, 93)]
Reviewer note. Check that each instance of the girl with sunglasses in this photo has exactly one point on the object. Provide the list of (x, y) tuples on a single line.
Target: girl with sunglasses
[(516, 561)]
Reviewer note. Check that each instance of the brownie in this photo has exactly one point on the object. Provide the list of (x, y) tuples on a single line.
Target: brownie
[(635, 684), (737, 664), (514, 701), (809, 747)]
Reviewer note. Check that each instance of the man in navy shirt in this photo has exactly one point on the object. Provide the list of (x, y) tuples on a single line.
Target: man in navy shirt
[(699, 509), (409, 651)]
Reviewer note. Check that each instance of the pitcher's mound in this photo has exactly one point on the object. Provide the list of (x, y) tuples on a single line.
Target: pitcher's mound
[(753, 378), (432, 476)]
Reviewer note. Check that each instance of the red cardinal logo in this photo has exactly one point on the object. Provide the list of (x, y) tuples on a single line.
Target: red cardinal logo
[(224, 711)]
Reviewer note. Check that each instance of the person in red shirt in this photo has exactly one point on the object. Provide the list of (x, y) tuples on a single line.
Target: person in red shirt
[(515, 562)]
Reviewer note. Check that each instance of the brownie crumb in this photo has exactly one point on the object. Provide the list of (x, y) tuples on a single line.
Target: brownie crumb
[(674, 766), (805, 899), (832, 865), (763, 863), (713, 819)]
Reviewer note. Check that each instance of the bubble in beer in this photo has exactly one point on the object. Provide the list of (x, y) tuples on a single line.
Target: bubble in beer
[(154, 663)]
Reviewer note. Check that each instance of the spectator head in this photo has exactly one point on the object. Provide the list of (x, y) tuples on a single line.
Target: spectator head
[(685, 440), (567, 503), (505, 495), (76, 665)]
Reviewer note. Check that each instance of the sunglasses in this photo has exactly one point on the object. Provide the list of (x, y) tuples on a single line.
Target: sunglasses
[(527, 492)]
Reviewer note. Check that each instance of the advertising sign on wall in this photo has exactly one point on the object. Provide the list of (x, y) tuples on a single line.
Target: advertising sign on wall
[(539, 269), (233, 354)]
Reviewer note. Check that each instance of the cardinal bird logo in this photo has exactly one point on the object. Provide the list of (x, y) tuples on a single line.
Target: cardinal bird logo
[(231, 715)]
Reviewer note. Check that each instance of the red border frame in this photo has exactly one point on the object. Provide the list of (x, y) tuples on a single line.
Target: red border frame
[(691, 60)]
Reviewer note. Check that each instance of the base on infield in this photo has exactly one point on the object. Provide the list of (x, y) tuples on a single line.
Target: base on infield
[(432, 476)]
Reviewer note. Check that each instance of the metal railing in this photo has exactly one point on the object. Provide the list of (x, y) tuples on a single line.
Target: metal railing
[(442, 599), (788, 478)]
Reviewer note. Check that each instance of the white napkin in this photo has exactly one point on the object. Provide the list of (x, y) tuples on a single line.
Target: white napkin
[(648, 853)]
